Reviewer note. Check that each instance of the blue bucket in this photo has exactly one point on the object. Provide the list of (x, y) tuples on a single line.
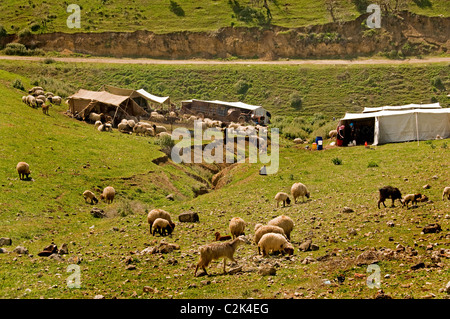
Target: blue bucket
[(319, 142)]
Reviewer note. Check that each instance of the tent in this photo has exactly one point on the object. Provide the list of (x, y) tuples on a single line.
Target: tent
[(397, 124), (141, 97), (84, 102)]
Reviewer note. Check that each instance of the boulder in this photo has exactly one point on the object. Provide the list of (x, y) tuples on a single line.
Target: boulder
[(188, 217), (432, 228), (5, 241)]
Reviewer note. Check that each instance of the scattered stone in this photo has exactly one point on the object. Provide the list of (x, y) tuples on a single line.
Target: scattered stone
[(170, 197), (162, 248), (435, 177), (352, 232), (5, 241), (56, 257), (64, 250), (430, 296), (97, 212), (308, 260), (2, 250), (21, 250), (235, 270), (447, 288), (306, 246), (188, 217), (49, 250), (267, 271), (427, 186), (172, 261), (150, 289), (99, 297), (381, 295), (432, 228), (367, 258), (390, 223), (131, 267), (314, 247), (205, 282), (418, 266), (347, 210)]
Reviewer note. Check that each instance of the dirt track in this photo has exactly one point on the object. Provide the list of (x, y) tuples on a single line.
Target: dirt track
[(217, 62)]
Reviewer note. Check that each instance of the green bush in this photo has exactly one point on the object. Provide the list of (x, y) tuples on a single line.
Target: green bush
[(437, 83), (372, 164), (166, 144), (2, 31), (241, 87), (24, 33), (16, 49), (336, 161), (18, 85), (295, 100), (176, 8)]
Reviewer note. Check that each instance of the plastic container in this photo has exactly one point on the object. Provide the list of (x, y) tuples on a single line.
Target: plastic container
[(319, 142), (314, 146)]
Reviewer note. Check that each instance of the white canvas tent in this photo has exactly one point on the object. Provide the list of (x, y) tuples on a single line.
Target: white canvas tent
[(141, 96), (397, 124)]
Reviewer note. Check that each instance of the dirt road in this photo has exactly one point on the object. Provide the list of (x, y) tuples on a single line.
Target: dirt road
[(219, 62)]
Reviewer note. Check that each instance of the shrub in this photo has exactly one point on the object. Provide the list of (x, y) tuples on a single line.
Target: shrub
[(35, 26), (166, 144), (444, 145), (372, 164), (241, 87), (24, 33), (336, 161), (2, 31), (176, 8), (18, 85), (49, 61), (295, 100), (16, 49), (437, 83)]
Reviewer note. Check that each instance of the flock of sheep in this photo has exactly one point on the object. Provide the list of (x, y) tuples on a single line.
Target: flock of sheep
[(38, 98)]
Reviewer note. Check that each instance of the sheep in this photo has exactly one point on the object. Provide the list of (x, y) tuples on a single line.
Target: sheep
[(299, 189), (159, 213), (49, 94), (159, 128), (23, 169), (413, 198), (45, 108), (97, 124), (424, 198), (94, 117), (105, 127), (24, 99), (31, 100), (87, 194), (124, 127), (141, 129), (389, 192), (38, 92), (237, 226), (39, 103), (221, 238), (282, 197), (332, 134), (35, 88), (108, 194), (162, 226), (217, 250), (131, 123), (157, 118), (264, 229), (55, 100), (162, 134), (285, 222), (446, 192), (272, 242)]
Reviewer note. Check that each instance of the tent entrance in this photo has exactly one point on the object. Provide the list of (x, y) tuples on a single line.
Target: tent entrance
[(363, 131)]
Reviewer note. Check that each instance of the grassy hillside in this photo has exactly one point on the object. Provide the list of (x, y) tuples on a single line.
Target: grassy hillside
[(324, 91), (67, 156), (164, 16)]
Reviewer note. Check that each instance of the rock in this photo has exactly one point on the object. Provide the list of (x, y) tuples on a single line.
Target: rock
[(5, 241), (308, 260), (162, 248), (130, 267), (267, 271), (418, 266), (432, 228), (170, 197), (347, 210), (3, 250), (306, 245), (21, 250), (381, 295), (390, 223), (352, 232), (367, 258), (235, 270), (188, 217), (427, 186), (97, 212), (149, 289), (99, 297), (49, 250), (447, 288), (56, 257), (314, 247), (64, 250)]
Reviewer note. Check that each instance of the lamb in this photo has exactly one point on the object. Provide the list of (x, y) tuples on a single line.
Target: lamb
[(389, 192), (105, 127), (221, 238), (282, 197), (217, 250), (159, 213), (265, 229), (413, 198), (299, 189), (108, 194), (237, 226), (162, 226), (87, 194), (446, 192), (272, 242), (97, 124), (158, 129), (23, 169), (285, 222), (45, 108)]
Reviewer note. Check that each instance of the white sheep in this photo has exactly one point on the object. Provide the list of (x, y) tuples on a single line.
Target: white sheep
[(284, 222), (123, 127), (332, 134), (446, 192), (23, 169), (272, 242), (162, 226), (107, 127), (140, 129), (159, 135), (282, 197), (108, 194), (94, 117), (87, 194), (97, 124), (237, 227), (55, 100), (159, 213), (413, 198), (299, 189), (31, 100), (217, 250), (159, 128), (265, 229)]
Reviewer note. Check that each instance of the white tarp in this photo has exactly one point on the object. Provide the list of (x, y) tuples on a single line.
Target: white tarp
[(152, 97), (407, 125), (402, 107)]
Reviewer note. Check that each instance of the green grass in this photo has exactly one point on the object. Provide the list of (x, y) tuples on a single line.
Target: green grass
[(51, 208), (156, 15)]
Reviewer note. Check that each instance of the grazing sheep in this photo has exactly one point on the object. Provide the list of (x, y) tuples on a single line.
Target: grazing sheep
[(282, 197), (55, 100), (31, 101), (159, 213), (45, 108), (23, 169), (424, 198), (389, 192), (284, 222), (87, 194), (221, 238), (159, 129), (94, 117), (446, 192), (39, 103), (107, 127), (272, 242), (162, 226), (299, 189), (413, 198), (217, 250), (237, 226), (123, 127), (108, 194), (24, 99), (49, 94), (265, 229), (332, 134), (35, 88), (141, 129), (38, 92)]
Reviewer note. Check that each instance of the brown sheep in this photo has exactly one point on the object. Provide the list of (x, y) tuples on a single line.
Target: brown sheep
[(389, 192), (159, 213), (108, 194), (162, 226), (221, 238), (23, 169)]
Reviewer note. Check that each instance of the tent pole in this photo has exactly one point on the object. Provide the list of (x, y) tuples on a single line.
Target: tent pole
[(417, 130)]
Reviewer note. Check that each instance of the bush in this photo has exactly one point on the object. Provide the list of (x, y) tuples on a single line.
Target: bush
[(35, 26), (336, 161), (166, 144), (2, 31), (18, 85), (295, 100), (241, 87), (16, 49), (437, 83), (372, 164), (24, 33), (176, 8)]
